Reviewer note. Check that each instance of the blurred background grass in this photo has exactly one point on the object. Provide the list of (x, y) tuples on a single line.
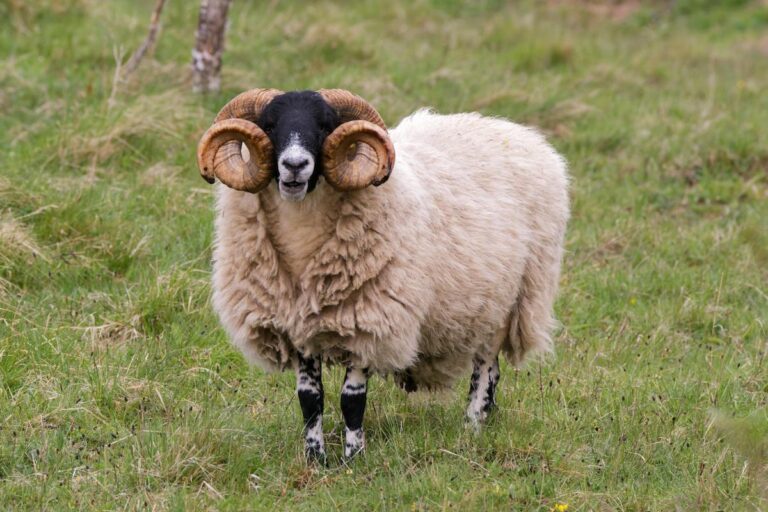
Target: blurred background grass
[(119, 390)]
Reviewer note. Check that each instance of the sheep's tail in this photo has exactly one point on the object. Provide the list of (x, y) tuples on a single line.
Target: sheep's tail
[(532, 320)]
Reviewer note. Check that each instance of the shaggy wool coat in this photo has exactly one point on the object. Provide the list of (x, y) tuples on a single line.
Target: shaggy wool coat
[(458, 253)]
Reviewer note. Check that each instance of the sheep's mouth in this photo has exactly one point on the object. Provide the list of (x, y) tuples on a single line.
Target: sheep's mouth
[(293, 190)]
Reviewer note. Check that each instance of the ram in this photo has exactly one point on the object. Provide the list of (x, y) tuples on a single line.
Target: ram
[(419, 252)]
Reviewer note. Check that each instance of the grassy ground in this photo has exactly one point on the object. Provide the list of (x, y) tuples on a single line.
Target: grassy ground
[(119, 390)]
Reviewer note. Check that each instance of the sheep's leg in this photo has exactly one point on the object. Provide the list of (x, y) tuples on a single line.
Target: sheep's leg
[(405, 381), (353, 398), (482, 389), (309, 387)]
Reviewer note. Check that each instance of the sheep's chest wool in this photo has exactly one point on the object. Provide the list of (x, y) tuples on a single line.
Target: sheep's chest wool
[(321, 283)]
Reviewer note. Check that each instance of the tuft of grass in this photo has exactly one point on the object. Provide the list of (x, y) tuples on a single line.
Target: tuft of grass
[(118, 389), (749, 437), (126, 130), (16, 241)]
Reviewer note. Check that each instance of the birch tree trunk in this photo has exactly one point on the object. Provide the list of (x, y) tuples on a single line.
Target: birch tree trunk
[(209, 45)]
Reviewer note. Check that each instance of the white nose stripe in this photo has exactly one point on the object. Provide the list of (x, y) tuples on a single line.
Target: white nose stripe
[(295, 153)]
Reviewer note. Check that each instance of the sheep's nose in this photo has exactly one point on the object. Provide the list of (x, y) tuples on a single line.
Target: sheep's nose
[(295, 164)]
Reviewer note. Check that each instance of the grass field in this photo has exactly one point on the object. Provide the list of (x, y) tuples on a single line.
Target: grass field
[(118, 389)]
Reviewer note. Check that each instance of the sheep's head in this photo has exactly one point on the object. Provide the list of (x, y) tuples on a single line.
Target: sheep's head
[(296, 137)]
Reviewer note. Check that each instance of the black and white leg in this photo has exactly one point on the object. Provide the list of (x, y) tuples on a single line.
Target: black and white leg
[(309, 387), (482, 389), (353, 398)]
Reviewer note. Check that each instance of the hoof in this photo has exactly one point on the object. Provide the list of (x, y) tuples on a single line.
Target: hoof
[(474, 423), (354, 443), (314, 451), (475, 419), (316, 456)]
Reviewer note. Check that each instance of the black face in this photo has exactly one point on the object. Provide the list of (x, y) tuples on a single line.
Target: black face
[(297, 123)]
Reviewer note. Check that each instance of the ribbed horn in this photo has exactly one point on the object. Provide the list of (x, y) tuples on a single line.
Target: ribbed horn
[(218, 152), (359, 152)]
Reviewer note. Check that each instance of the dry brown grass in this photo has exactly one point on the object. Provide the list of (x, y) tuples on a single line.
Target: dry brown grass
[(112, 333), (160, 174), (157, 115), (612, 10), (17, 241)]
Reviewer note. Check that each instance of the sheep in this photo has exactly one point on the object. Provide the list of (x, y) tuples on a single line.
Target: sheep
[(450, 258)]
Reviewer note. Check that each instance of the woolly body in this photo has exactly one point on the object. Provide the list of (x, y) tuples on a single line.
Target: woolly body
[(457, 254)]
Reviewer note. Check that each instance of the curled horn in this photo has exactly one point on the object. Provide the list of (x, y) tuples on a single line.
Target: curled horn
[(359, 152), (218, 152)]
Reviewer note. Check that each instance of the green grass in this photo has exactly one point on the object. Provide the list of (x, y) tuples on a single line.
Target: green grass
[(118, 389)]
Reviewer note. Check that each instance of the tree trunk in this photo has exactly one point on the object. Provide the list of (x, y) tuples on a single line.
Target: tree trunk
[(209, 45)]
